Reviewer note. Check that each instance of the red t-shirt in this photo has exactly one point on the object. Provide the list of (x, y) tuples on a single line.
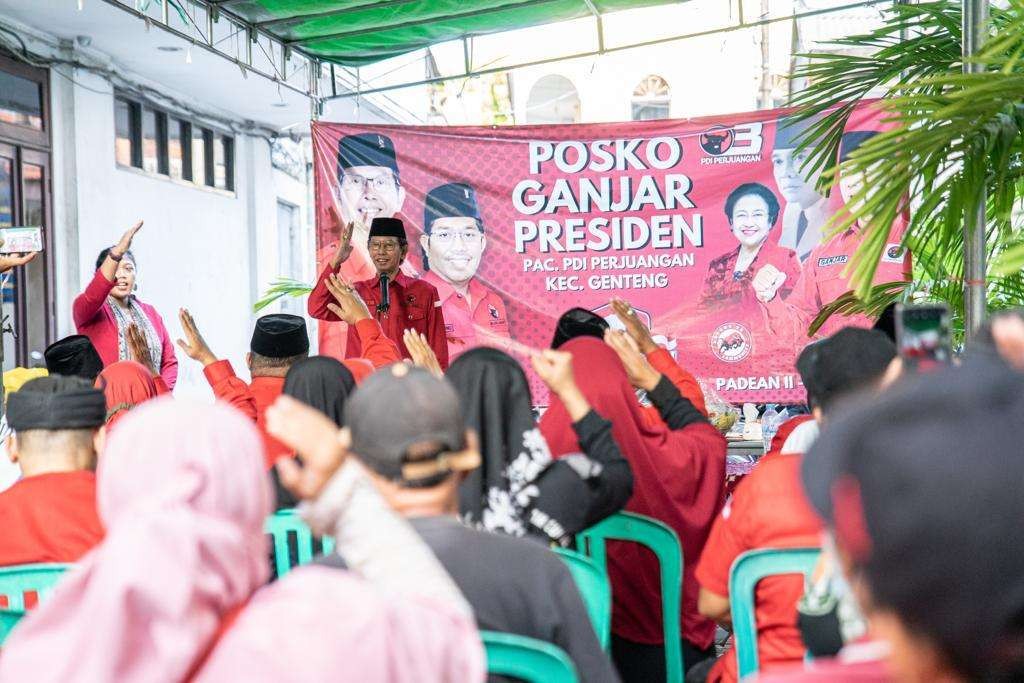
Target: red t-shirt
[(769, 510), (49, 518)]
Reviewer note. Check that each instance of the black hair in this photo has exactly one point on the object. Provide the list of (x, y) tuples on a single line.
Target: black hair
[(261, 363), (106, 252), (850, 360), (755, 189)]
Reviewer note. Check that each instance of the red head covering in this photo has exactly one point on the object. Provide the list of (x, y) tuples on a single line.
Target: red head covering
[(679, 479), (126, 384)]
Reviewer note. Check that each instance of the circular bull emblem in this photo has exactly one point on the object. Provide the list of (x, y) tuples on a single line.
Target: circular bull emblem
[(731, 342)]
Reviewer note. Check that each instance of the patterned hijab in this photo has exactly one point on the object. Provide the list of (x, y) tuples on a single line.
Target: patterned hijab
[(125, 317), (519, 489)]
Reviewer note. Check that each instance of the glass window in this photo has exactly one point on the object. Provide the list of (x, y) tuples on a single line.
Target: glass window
[(150, 151), (553, 99), (651, 99), (176, 132), (21, 101), (229, 163), (219, 164), (198, 156), (127, 145)]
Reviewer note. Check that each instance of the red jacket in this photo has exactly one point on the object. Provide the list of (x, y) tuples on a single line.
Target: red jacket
[(414, 304), (49, 518), (94, 319)]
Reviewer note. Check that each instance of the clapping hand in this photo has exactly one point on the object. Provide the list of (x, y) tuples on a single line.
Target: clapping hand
[(422, 355), (139, 348), (314, 437), (194, 345), (350, 307), (635, 327), (642, 374)]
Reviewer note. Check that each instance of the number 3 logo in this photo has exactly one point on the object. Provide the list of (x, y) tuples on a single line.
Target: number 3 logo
[(747, 139)]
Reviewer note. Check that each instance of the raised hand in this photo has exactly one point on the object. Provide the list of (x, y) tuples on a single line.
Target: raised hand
[(350, 307), (125, 243), (422, 355), (641, 374), (313, 436), (194, 345), (634, 326), (345, 240), (139, 348), (555, 369)]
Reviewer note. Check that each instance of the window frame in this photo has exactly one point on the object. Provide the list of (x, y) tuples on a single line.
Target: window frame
[(190, 130), (23, 135)]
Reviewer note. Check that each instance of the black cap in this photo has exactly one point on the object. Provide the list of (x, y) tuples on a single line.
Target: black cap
[(886, 323), (280, 335), (849, 360), (446, 201), (578, 322), (924, 493), (395, 410), (852, 140), (366, 149), (73, 356), (387, 227), (790, 132), (56, 403)]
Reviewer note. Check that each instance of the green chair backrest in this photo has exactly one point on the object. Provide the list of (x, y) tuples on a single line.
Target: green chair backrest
[(747, 571), (595, 589), (528, 659), (280, 525), (9, 618), (18, 580), (663, 541)]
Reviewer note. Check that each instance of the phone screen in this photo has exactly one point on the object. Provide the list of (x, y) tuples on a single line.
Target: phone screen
[(923, 335)]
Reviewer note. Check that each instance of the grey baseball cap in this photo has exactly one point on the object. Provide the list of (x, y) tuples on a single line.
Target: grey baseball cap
[(402, 415)]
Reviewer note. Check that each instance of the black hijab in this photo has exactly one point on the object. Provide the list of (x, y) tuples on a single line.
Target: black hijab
[(518, 488), (322, 383)]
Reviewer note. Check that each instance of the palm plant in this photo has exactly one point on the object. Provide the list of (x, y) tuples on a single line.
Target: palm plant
[(954, 138), (281, 287)]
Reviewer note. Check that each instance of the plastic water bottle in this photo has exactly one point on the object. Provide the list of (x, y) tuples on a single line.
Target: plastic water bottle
[(770, 421)]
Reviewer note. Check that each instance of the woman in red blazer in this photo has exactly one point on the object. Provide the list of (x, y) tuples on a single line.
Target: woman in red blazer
[(119, 325)]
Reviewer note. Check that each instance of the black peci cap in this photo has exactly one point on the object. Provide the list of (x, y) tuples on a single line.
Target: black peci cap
[(446, 201), (387, 227), (366, 149), (73, 356), (852, 140), (280, 335)]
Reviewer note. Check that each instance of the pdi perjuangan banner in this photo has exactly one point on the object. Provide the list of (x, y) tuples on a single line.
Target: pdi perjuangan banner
[(713, 229)]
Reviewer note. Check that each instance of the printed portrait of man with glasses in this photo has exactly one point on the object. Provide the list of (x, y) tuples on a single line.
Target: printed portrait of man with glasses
[(453, 243)]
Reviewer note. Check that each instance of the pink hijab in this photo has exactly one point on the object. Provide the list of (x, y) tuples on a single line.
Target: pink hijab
[(321, 624), (183, 495)]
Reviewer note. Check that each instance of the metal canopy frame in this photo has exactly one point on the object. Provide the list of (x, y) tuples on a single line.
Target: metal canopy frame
[(602, 49)]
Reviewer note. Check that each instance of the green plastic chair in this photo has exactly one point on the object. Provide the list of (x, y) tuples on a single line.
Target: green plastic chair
[(279, 526), (595, 590), (528, 659), (18, 580), (659, 538), (747, 571)]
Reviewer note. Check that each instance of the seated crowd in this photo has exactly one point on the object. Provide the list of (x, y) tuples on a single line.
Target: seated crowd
[(444, 496)]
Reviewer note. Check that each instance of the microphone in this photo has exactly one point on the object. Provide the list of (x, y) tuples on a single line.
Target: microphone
[(385, 298)]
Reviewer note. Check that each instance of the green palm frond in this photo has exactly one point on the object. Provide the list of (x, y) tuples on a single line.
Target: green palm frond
[(953, 138), (282, 287)]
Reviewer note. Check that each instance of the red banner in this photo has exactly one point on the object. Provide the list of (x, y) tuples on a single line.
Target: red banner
[(711, 228)]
